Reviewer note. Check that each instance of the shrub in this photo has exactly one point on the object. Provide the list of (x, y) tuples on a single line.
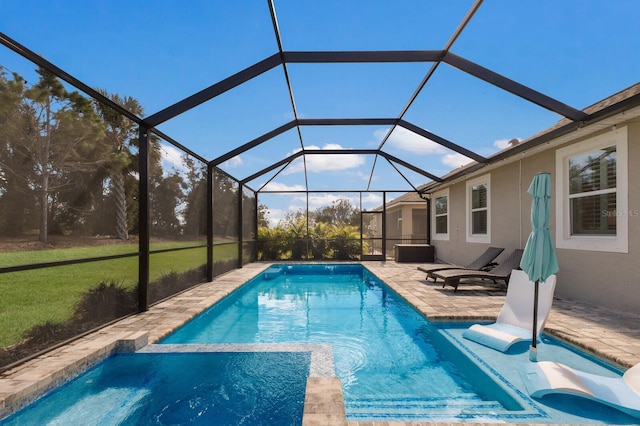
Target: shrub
[(104, 303)]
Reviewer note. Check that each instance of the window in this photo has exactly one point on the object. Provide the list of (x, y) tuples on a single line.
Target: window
[(440, 220), (591, 183), (478, 210)]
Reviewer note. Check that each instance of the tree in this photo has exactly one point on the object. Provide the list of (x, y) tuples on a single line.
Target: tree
[(321, 234), (263, 216), (249, 215), (297, 230), (121, 136), (225, 205), (339, 213), (195, 212), (272, 242), (345, 242), (165, 198), (64, 139), (16, 165)]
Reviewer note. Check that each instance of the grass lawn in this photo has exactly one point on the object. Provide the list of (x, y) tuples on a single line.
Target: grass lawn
[(50, 294)]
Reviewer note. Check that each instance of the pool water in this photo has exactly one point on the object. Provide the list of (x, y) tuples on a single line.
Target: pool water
[(383, 349), (179, 388), (394, 364)]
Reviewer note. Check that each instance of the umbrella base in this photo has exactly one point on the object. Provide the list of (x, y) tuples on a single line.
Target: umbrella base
[(533, 354)]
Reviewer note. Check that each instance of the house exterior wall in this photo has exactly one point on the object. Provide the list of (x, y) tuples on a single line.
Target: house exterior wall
[(404, 227), (605, 278)]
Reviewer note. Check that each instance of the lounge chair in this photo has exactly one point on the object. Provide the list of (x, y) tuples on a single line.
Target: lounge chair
[(482, 261), (501, 272), (547, 377), (516, 316)]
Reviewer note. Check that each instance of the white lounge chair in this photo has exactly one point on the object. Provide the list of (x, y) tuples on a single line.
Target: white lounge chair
[(623, 393), (516, 316)]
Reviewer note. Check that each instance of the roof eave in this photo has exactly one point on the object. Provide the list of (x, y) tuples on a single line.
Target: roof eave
[(553, 133)]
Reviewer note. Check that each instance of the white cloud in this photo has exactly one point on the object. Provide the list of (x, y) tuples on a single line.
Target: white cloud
[(504, 143), (275, 216), (371, 200), (363, 176), (321, 200), (277, 186), (406, 140), (455, 160), (233, 162), (171, 158), (322, 163)]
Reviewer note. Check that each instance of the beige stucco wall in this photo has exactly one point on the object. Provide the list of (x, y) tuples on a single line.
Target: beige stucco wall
[(406, 225), (604, 278), (609, 279)]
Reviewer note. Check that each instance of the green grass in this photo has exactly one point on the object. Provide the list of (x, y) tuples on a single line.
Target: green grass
[(56, 255), (50, 294)]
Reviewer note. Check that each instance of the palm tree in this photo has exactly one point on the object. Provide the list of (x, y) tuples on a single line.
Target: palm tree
[(121, 135), (345, 242), (320, 235), (272, 242), (298, 233)]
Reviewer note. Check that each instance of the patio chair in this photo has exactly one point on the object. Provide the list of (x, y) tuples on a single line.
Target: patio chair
[(482, 261), (501, 272), (622, 393), (516, 316)]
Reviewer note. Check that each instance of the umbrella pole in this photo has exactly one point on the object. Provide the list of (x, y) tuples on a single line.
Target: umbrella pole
[(533, 350)]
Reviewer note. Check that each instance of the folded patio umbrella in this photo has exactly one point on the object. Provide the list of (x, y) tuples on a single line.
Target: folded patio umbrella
[(539, 258)]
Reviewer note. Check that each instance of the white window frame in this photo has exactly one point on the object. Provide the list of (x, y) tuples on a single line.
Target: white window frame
[(435, 235), (618, 243), (478, 238)]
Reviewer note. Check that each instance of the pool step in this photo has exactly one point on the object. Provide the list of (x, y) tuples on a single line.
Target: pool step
[(463, 406)]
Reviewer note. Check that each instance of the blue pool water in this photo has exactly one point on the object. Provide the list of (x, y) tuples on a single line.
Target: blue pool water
[(384, 351), (393, 363), (177, 389)]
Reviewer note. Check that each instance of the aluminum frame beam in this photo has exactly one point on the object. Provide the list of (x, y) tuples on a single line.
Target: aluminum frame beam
[(345, 122), (514, 87), (442, 141), (59, 72), (252, 144), (282, 162), (409, 166), (214, 90), (362, 56)]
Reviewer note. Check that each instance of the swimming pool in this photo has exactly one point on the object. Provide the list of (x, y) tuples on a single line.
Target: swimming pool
[(196, 386), (393, 363), (476, 365)]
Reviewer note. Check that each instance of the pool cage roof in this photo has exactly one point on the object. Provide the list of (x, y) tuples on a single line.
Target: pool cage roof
[(416, 82)]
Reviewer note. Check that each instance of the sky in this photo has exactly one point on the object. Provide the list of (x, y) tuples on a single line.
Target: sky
[(161, 51)]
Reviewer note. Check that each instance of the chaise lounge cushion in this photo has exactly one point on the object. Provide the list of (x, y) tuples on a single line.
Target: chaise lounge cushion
[(515, 321), (482, 261), (502, 272), (547, 377)]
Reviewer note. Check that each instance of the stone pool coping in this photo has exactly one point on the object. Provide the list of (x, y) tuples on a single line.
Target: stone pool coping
[(608, 334), (321, 353)]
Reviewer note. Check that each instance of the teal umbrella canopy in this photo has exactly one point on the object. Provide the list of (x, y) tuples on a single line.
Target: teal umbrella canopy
[(539, 258)]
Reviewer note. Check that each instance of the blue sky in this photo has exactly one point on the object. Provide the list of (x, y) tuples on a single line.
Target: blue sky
[(577, 51)]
